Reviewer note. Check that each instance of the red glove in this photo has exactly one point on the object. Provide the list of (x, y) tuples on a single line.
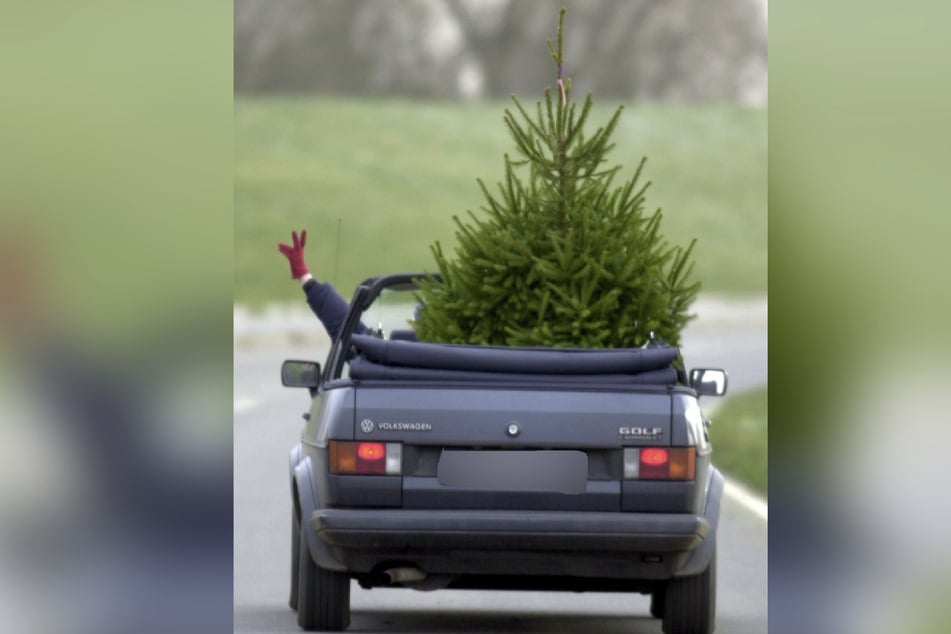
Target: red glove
[(295, 254)]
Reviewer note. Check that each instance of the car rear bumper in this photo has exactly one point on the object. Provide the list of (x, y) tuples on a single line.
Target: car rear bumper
[(620, 545)]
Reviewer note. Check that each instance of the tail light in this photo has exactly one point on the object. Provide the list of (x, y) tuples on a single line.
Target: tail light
[(660, 463), (366, 458)]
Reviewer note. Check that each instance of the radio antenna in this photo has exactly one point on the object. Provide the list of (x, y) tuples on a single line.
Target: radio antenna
[(337, 254)]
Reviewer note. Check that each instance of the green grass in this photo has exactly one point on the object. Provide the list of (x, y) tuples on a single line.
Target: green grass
[(740, 437), (395, 172)]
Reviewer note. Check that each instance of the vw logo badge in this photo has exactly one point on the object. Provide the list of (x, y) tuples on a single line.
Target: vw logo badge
[(366, 425), (512, 430)]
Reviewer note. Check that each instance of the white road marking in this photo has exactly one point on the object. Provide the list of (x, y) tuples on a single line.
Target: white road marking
[(244, 404), (747, 499)]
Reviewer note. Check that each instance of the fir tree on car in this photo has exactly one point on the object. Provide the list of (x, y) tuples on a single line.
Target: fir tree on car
[(563, 256)]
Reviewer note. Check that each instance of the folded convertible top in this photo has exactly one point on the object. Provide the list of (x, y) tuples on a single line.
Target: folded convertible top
[(388, 359)]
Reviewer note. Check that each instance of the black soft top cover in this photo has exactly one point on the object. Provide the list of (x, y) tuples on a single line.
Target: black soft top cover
[(408, 360)]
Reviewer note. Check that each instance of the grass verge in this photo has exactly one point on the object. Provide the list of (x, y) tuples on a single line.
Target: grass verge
[(740, 437), (386, 177)]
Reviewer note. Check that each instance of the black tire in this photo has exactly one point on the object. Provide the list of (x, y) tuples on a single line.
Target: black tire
[(323, 596), (295, 557), (658, 598), (691, 602)]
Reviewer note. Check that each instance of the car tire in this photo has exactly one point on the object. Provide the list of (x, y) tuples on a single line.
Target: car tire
[(295, 559), (323, 596), (658, 597), (690, 602)]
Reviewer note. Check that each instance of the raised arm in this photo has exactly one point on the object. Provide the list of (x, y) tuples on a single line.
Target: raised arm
[(330, 308)]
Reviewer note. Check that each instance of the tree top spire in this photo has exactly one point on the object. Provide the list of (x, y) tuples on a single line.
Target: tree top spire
[(564, 84)]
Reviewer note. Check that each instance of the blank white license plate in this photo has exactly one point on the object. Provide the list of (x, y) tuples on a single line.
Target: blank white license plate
[(550, 470)]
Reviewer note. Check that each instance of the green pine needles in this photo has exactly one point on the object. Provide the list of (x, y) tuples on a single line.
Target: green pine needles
[(564, 257)]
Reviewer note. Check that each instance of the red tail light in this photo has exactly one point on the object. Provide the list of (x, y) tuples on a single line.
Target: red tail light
[(653, 457), (654, 464), (365, 458), (660, 463), (371, 451)]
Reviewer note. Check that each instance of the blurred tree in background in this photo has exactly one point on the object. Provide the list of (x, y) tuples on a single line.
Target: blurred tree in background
[(670, 50)]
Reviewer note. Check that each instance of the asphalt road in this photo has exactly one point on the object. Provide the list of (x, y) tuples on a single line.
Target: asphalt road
[(267, 423)]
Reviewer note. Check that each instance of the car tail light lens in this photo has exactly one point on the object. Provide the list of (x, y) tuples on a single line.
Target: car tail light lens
[(660, 463), (371, 451), (366, 458)]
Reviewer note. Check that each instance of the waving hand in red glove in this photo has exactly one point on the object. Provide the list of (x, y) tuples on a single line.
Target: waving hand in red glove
[(295, 254)]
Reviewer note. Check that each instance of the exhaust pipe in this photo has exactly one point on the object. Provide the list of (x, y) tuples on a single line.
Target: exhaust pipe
[(404, 575)]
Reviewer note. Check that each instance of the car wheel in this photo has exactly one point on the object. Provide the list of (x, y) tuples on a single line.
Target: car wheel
[(323, 596), (657, 602), (295, 556), (690, 602)]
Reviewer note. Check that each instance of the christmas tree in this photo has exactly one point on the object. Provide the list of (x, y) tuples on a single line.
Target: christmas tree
[(564, 257)]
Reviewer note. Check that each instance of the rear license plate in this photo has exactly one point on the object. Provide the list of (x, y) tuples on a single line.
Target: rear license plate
[(556, 471)]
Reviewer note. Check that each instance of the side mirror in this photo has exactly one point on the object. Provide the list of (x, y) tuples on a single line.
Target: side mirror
[(300, 374), (708, 381)]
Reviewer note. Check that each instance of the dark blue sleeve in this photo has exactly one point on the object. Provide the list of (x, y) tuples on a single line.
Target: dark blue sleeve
[(331, 309)]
